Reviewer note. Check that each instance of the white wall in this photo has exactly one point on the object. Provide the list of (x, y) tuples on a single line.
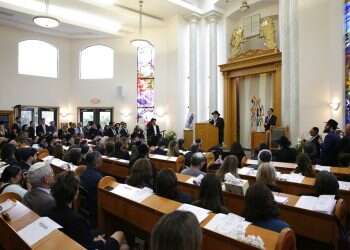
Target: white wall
[(69, 92), (321, 61), (28, 90)]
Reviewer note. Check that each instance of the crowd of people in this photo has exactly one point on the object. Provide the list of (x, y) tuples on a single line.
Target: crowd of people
[(34, 181)]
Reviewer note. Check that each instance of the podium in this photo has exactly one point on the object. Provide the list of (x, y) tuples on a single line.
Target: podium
[(208, 134)]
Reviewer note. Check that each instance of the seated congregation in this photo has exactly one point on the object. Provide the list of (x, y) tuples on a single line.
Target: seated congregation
[(70, 198)]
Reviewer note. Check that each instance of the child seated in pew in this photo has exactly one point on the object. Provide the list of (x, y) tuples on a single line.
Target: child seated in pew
[(304, 166), (326, 184), (178, 230), (210, 195), (166, 186), (229, 165), (65, 191), (11, 180), (141, 174), (267, 175), (261, 208)]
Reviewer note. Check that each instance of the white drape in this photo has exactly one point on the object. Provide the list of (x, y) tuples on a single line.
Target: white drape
[(260, 86)]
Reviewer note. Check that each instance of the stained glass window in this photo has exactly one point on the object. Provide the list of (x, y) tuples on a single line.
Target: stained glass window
[(145, 84), (347, 56)]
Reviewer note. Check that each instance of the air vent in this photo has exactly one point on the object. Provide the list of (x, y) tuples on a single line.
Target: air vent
[(3, 13)]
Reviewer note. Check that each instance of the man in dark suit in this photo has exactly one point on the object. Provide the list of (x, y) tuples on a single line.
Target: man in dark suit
[(153, 133), (89, 180), (111, 131), (31, 130), (315, 141), (270, 119), (52, 128), (123, 132), (329, 148), (17, 125), (42, 128), (218, 122)]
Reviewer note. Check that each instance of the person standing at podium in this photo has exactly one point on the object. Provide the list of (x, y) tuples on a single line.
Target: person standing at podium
[(270, 119), (218, 122)]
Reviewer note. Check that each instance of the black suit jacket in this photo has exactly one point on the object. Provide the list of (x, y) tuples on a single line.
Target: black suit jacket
[(40, 130), (153, 137), (270, 122), (220, 124), (31, 132), (111, 132), (76, 227), (123, 132)]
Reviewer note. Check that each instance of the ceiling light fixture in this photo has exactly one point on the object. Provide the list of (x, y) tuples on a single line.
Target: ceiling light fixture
[(45, 20), (244, 6), (140, 42)]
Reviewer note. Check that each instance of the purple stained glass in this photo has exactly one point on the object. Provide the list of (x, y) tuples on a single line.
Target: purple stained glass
[(145, 84), (347, 58)]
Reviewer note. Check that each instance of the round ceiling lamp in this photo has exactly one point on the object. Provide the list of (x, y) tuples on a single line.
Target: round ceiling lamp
[(45, 20), (244, 6), (140, 42)]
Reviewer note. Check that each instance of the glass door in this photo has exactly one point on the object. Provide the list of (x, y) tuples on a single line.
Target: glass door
[(101, 116), (86, 116), (27, 115), (49, 114)]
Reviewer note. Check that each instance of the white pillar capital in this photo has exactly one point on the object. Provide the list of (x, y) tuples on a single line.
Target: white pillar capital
[(193, 18), (212, 16)]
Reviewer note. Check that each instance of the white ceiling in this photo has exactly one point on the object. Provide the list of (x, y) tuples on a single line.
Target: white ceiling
[(106, 18), (94, 18)]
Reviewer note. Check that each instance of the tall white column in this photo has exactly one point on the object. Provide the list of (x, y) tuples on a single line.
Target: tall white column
[(289, 44), (193, 107), (212, 18)]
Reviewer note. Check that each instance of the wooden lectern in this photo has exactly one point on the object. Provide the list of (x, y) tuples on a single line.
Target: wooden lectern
[(208, 134)]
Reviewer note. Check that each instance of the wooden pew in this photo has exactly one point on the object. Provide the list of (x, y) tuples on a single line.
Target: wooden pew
[(21, 217), (145, 215), (306, 187), (311, 224), (285, 167), (164, 162)]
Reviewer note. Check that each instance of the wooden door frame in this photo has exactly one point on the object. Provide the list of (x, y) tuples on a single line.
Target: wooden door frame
[(248, 64)]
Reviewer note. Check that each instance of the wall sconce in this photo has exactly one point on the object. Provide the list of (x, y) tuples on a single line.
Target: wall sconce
[(334, 105)]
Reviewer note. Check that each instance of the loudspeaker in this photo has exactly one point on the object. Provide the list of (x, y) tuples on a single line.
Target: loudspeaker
[(120, 91)]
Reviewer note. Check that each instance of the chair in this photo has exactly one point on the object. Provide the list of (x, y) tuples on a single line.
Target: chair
[(180, 163), (286, 240), (11, 196), (340, 212), (210, 158), (80, 170), (42, 153)]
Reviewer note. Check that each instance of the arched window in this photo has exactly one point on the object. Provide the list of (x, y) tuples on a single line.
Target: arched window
[(37, 58), (97, 62)]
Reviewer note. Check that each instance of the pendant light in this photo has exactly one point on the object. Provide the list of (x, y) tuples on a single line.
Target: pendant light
[(140, 42), (244, 6), (45, 20)]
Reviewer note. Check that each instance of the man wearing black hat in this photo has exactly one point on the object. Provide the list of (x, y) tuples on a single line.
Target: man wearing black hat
[(218, 122), (329, 148)]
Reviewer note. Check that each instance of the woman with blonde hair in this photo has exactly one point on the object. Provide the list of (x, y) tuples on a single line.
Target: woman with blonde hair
[(229, 165), (172, 149), (267, 175)]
